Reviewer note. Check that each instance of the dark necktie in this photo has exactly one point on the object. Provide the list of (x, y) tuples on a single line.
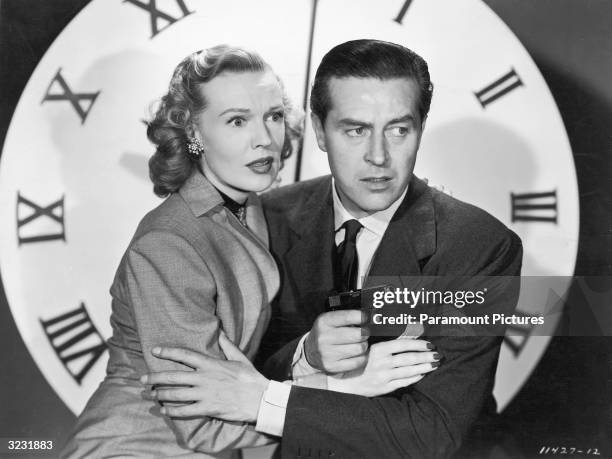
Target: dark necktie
[(347, 263)]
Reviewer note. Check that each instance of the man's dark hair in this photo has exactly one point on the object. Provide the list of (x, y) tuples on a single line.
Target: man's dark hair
[(369, 59)]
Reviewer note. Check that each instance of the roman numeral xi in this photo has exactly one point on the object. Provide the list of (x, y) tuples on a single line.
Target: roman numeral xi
[(156, 14), (75, 340)]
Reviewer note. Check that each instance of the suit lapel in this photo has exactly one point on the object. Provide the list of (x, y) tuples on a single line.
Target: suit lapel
[(255, 219), (409, 241), (309, 259), (410, 237)]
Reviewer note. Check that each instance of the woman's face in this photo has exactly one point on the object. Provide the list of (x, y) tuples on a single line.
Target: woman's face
[(242, 129)]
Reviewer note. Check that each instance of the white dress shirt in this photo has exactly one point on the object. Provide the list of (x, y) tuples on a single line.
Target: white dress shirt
[(273, 406)]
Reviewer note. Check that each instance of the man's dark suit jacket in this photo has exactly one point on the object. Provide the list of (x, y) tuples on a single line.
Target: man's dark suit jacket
[(431, 234)]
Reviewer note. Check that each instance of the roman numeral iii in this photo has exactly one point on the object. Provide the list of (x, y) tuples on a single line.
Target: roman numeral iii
[(75, 340), (534, 207)]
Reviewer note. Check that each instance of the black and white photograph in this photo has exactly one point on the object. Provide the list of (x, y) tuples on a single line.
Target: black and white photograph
[(306, 229)]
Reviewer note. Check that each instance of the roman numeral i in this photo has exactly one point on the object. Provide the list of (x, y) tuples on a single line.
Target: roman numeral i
[(404, 9)]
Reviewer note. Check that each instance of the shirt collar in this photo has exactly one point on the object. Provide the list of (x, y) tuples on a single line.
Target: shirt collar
[(199, 194), (376, 223), (228, 202)]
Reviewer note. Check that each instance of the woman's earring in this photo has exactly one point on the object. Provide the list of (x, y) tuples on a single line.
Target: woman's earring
[(195, 147)]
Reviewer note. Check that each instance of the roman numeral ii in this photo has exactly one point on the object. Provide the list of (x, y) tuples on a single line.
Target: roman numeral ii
[(498, 88)]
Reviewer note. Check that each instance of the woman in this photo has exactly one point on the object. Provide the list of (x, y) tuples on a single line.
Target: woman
[(198, 263)]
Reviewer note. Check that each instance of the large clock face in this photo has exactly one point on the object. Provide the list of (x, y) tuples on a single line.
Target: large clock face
[(73, 171)]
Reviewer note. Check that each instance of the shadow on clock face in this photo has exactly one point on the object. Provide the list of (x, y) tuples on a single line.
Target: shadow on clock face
[(107, 189), (482, 163)]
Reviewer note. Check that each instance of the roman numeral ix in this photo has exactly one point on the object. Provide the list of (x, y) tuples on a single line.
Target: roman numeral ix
[(54, 212)]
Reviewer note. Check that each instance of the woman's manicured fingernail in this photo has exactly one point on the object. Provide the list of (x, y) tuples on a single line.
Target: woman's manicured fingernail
[(435, 364), (430, 346), (437, 356), (156, 350)]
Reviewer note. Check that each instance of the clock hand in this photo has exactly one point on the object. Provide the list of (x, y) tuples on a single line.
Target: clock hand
[(306, 86)]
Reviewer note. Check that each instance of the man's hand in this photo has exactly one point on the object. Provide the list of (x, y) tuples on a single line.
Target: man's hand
[(391, 365), (336, 342), (229, 390)]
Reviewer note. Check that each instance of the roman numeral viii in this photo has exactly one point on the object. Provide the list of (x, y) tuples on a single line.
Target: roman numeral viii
[(75, 340)]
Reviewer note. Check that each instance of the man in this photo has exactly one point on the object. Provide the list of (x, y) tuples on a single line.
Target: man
[(369, 104)]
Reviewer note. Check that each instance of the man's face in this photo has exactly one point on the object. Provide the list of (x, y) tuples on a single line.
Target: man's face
[(371, 135)]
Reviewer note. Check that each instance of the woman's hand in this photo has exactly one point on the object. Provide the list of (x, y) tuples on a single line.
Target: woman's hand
[(229, 390), (391, 365)]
